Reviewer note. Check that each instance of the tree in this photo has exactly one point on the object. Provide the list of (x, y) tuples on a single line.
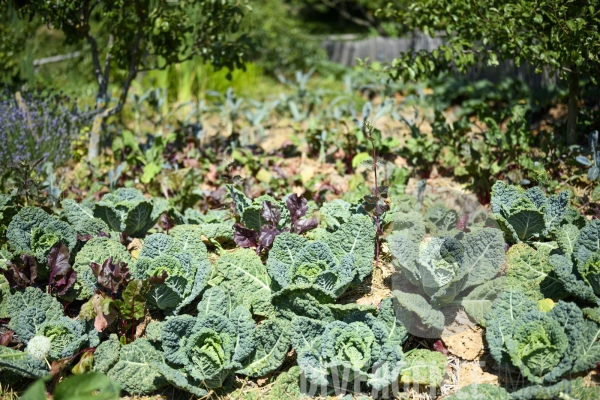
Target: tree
[(360, 14), (140, 35), (561, 35)]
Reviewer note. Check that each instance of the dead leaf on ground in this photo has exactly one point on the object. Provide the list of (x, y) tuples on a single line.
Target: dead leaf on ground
[(592, 379), (135, 247), (141, 326)]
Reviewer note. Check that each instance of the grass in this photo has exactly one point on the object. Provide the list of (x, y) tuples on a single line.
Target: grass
[(7, 393)]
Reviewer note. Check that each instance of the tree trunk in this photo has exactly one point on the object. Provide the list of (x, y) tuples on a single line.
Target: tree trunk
[(573, 107), (94, 146)]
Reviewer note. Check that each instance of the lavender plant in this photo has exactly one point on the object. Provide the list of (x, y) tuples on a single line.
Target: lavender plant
[(33, 126)]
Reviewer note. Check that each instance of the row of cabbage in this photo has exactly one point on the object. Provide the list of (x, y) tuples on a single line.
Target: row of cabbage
[(536, 290), (218, 309)]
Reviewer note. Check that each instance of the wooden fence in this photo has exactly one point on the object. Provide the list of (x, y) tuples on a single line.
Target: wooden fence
[(346, 49)]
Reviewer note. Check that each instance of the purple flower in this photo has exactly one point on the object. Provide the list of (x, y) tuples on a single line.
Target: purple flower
[(42, 125)]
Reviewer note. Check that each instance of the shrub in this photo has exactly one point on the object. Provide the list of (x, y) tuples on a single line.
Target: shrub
[(34, 125)]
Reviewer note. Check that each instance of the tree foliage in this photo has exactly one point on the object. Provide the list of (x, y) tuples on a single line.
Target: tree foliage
[(141, 35), (561, 35)]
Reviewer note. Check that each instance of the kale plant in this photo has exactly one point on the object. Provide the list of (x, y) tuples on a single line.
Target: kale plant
[(594, 166)]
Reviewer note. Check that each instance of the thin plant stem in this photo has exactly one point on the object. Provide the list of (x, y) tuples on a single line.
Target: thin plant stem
[(375, 193), (367, 131)]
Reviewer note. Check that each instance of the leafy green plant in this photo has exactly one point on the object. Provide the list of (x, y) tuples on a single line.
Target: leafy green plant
[(181, 256), (312, 263), (558, 257), (223, 328), (127, 210), (96, 250), (594, 169), (545, 35), (166, 310), (230, 109), (19, 365), (130, 365), (528, 215), (87, 386), (151, 157), (38, 318), (364, 346), (34, 231), (424, 367), (542, 346), (481, 391), (441, 262), (334, 261)]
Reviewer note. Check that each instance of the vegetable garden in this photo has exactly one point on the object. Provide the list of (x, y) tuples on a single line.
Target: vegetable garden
[(297, 229)]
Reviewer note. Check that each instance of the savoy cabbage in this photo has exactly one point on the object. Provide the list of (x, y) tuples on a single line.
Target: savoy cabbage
[(439, 272), (206, 350), (81, 217), (295, 260), (16, 365), (480, 391), (128, 210), (565, 267), (216, 225), (556, 253), (302, 276), (359, 346), (131, 365), (34, 231), (35, 313), (530, 270), (245, 277), (97, 250), (183, 256), (543, 346), (339, 258), (528, 215)]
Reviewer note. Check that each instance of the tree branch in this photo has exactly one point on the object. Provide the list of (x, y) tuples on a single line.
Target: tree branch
[(104, 88), (102, 84), (133, 66), (342, 9), (374, 22), (162, 68), (96, 62), (55, 59)]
